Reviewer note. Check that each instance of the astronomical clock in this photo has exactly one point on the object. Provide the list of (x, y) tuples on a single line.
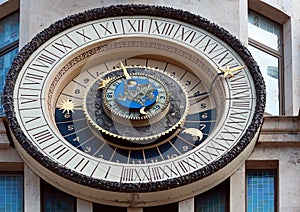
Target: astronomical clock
[(134, 105)]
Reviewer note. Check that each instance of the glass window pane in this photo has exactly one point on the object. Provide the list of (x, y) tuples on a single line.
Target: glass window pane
[(5, 63), (260, 191), (3, 1), (56, 200), (9, 30), (268, 65), (11, 192), (264, 30), (214, 200)]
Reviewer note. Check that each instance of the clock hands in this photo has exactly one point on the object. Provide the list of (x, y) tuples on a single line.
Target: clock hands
[(125, 72), (227, 71), (133, 83), (204, 96), (134, 90), (103, 82), (130, 104)]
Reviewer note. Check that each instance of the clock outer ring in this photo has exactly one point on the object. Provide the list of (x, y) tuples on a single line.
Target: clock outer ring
[(130, 10)]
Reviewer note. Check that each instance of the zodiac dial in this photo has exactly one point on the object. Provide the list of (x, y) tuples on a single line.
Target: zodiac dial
[(137, 111)]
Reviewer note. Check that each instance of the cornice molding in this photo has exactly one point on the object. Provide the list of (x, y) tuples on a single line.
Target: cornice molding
[(280, 130)]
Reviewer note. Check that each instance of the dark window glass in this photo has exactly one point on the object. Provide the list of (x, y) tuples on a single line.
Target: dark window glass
[(261, 190), (9, 30), (9, 38), (55, 200), (5, 63), (173, 207), (11, 192), (104, 208), (214, 200)]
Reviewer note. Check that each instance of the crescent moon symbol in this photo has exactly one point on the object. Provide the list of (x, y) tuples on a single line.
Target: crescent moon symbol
[(196, 133), (142, 111)]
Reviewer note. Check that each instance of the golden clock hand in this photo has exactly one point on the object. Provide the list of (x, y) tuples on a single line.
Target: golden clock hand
[(225, 71), (127, 76), (229, 71)]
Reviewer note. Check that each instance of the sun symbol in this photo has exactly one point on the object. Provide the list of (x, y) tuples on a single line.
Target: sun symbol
[(67, 106)]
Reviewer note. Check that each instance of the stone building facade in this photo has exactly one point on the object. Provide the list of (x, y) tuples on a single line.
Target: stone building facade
[(276, 155)]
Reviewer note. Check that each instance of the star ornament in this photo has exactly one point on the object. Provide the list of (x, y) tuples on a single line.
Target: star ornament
[(229, 71), (104, 82), (67, 106)]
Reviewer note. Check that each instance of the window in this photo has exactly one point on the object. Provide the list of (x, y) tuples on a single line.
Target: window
[(9, 39), (173, 207), (261, 186), (265, 44), (100, 207), (11, 192), (261, 190), (214, 200), (53, 199)]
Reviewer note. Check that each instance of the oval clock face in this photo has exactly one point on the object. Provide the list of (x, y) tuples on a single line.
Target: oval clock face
[(134, 105)]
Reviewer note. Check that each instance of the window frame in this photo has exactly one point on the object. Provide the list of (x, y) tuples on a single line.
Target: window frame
[(9, 47), (278, 54)]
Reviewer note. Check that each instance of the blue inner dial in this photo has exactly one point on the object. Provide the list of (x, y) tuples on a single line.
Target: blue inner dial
[(136, 93)]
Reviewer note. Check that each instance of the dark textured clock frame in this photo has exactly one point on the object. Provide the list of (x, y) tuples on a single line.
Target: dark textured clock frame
[(123, 10)]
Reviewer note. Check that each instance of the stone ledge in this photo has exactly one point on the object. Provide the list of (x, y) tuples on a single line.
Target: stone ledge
[(2, 126), (279, 124), (279, 139), (12, 166), (4, 142), (280, 130)]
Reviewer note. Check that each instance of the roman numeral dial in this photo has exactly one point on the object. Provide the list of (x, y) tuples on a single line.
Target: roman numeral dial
[(142, 99), (135, 104)]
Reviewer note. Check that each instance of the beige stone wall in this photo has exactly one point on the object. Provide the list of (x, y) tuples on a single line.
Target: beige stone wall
[(37, 15), (288, 171)]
